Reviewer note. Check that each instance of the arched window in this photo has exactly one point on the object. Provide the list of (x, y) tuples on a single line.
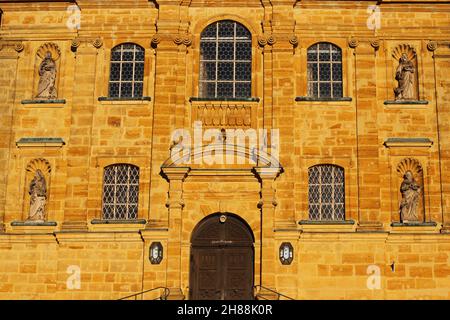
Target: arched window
[(225, 61), (120, 192), (326, 193), (324, 71), (126, 78)]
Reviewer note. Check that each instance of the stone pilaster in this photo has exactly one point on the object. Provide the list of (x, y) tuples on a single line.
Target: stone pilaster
[(79, 146), (367, 136), (9, 54), (171, 44), (175, 177), (267, 205), (441, 58)]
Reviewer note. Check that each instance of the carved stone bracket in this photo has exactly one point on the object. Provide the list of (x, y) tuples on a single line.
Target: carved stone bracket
[(183, 39), (11, 46), (95, 42), (353, 42), (432, 46), (375, 43), (270, 39), (178, 39)]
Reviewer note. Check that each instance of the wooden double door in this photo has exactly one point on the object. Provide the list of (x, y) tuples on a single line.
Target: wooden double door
[(222, 260)]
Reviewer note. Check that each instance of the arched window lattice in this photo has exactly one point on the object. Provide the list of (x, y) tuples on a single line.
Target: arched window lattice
[(325, 71), (225, 61), (127, 71)]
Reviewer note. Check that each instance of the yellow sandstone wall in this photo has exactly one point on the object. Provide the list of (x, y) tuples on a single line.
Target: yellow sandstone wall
[(330, 262)]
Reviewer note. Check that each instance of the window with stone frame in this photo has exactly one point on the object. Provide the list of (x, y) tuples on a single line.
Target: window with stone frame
[(120, 192), (324, 71), (326, 193), (126, 78), (225, 61)]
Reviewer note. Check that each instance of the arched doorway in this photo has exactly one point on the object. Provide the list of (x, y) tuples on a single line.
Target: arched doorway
[(222, 259)]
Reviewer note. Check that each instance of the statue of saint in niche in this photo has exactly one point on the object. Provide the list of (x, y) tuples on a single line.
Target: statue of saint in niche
[(47, 73), (410, 199), (38, 197), (406, 81)]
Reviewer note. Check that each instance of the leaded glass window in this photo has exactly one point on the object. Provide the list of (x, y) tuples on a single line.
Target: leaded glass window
[(326, 193), (120, 192), (324, 71), (225, 61), (126, 78)]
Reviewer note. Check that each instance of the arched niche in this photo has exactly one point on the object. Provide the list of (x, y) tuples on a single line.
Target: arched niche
[(413, 166), (30, 172)]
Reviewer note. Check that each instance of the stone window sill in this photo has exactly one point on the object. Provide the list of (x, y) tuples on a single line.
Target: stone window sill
[(414, 224), (33, 224), (40, 142), (44, 103), (34, 227), (406, 102), (408, 142), (253, 99), (316, 99), (138, 100), (100, 225), (326, 222), (327, 226), (124, 221), (413, 227)]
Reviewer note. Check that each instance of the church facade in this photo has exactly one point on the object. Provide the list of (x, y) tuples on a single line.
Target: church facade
[(219, 149)]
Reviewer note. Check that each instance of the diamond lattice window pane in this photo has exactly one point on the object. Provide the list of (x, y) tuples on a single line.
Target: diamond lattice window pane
[(120, 191), (326, 194)]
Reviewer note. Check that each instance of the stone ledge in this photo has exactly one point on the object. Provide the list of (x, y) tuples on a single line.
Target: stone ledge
[(345, 226), (127, 221), (406, 102), (252, 99), (33, 227), (43, 101), (117, 225), (40, 142), (326, 222), (414, 224), (324, 99), (34, 223), (408, 142), (413, 227), (145, 98)]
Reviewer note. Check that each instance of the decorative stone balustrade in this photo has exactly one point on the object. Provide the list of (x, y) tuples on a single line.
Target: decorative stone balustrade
[(225, 114)]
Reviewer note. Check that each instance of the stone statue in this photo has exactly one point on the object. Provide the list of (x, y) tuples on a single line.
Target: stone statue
[(38, 197), (47, 73), (405, 77), (410, 199)]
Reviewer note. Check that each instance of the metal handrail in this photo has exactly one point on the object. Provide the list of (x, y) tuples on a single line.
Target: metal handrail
[(162, 297), (273, 291)]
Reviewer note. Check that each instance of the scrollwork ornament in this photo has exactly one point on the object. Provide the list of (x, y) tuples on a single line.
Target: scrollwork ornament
[(97, 43), (375, 43), (19, 47), (155, 40), (187, 41), (432, 46), (262, 41), (353, 43), (293, 40), (75, 44), (271, 40), (178, 40)]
